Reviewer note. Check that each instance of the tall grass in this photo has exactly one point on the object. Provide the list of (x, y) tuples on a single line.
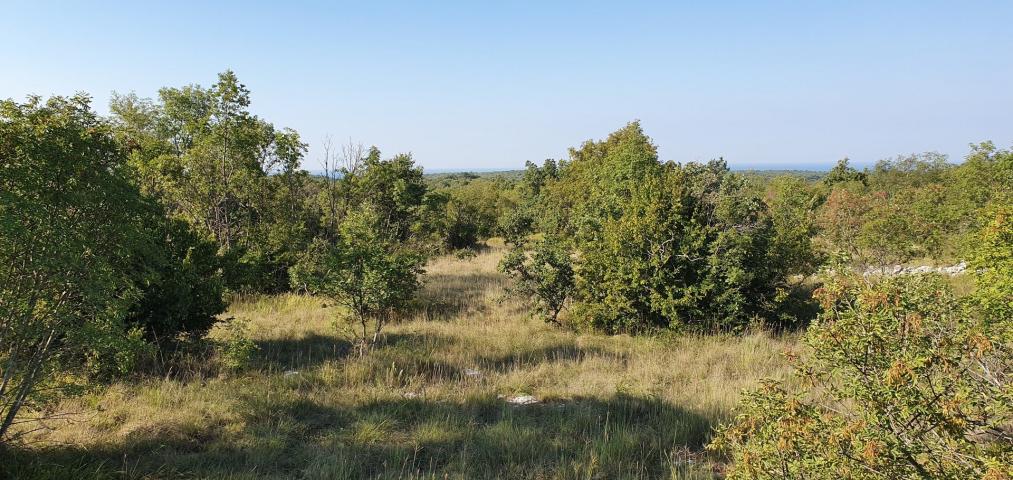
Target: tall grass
[(428, 402)]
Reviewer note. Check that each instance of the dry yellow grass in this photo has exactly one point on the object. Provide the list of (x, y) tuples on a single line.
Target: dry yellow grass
[(427, 402)]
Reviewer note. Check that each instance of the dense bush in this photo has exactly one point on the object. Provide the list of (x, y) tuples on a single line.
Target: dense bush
[(90, 266), (900, 379), (471, 208), (792, 204), (67, 222), (180, 279), (667, 245), (915, 207), (370, 261), (368, 273), (544, 277)]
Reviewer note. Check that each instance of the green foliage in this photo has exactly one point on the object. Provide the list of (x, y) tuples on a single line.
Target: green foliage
[(180, 277), (909, 171), (538, 188), (393, 188), (792, 204), (230, 175), (844, 173), (465, 224), (993, 258), (379, 226), (467, 209), (912, 207), (841, 219), (535, 177), (666, 245), (365, 270), (545, 277), (235, 350), (68, 224), (453, 224), (93, 270), (517, 225), (900, 380)]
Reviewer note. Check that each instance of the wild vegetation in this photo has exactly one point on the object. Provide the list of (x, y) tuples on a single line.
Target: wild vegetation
[(179, 298), (431, 398)]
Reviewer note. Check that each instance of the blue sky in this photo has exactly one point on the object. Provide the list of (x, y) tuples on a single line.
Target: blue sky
[(480, 85)]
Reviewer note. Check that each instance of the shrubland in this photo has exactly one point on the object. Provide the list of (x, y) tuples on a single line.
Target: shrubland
[(176, 254), (429, 400), (900, 378)]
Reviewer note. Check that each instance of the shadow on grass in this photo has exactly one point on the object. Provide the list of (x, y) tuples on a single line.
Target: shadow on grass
[(562, 352), (448, 295), (618, 437), (297, 353), (412, 352), (414, 342)]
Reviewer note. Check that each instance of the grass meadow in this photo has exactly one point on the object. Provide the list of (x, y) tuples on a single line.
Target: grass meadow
[(430, 401)]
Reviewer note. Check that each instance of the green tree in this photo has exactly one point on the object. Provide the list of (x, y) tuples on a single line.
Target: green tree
[(663, 245), (909, 171), (544, 277), (69, 222), (840, 221), (394, 189), (792, 204), (371, 261), (886, 234), (843, 173), (365, 270), (229, 174)]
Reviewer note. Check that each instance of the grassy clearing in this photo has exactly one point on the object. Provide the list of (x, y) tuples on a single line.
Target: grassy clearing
[(610, 407)]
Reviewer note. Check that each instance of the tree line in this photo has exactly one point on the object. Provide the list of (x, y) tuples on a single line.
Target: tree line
[(123, 237), (627, 243)]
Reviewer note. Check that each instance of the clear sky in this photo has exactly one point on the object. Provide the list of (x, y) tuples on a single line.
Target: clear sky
[(490, 84)]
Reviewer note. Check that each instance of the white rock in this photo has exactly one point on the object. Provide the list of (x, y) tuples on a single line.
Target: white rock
[(956, 269), (471, 372), (411, 395), (289, 373), (522, 400), (891, 270)]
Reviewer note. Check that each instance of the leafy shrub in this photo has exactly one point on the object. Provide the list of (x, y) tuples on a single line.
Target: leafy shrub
[(364, 270), (463, 227), (68, 225), (545, 277), (664, 245), (234, 349), (900, 380), (992, 258), (181, 282), (844, 173), (792, 205), (516, 226), (912, 207)]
